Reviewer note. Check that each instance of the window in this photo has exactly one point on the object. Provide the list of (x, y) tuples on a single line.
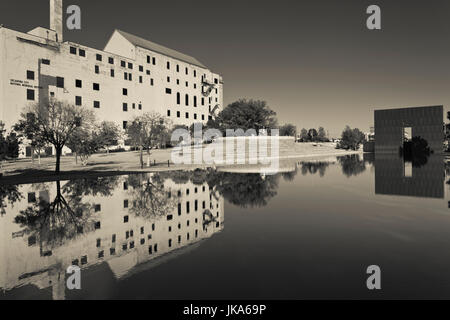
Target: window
[(168, 91), (46, 61), (96, 86), (168, 113), (99, 57), (97, 69), (130, 77), (125, 125), (125, 76), (111, 60), (151, 82), (203, 101), (154, 61), (82, 53), (141, 68), (78, 101), (125, 107), (187, 84), (140, 106), (125, 204), (125, 91), (195, 73), (78, 83), (178, 114), (59, 82), (112, 73), (140, 79), (168, 65), (134, 106), (187, 100), (73, 50), (203, 117), (195, 101), (178, 98), (30, 75), (130, 65), (195, 116), (125, 219), (97, 104), (123, 64), (148, 59), (187, 115), (168, 79), (187, 71), (147, 72), (178, 68)]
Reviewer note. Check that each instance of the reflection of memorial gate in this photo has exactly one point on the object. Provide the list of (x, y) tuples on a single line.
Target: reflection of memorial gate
[(426, 181)]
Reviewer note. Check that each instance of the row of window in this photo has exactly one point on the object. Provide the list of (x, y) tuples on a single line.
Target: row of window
[(169, 114)]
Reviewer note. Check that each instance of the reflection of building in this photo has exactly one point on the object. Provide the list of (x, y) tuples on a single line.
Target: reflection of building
[(129, 77), (127, 242), (424, 122), (395, 177)]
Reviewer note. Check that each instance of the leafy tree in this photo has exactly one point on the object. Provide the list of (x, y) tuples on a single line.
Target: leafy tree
[(108, 135), (312, 135), (9, 193), (245, 115), (351, 138), (56, 121), (288, 130), (322, 135), (29, 129), (145, 132), (84, 143), (304, 135)]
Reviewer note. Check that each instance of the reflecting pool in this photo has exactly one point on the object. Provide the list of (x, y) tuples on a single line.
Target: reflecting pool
[(309, 232)]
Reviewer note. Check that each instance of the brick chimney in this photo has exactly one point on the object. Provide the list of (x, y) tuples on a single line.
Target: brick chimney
[(56, 18)]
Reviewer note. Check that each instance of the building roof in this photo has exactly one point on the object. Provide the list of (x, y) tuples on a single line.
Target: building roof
[(146, 44)]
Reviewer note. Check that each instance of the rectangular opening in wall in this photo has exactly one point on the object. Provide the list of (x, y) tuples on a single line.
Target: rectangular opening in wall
[(407, 134)]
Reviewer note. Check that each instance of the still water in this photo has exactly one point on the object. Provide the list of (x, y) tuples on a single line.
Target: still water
[(309, 232)]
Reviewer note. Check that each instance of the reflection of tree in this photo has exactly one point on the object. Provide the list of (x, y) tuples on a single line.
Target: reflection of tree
[(8, 193), (150, 198), (245, 190), (314, 167), (51, 223), (289, 176), (352, 165), (101, 186)]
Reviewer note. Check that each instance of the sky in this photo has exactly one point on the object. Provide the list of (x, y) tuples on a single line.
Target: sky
[(314, 62)]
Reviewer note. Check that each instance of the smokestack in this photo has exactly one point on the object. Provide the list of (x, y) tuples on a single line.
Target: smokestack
[(56, 18)]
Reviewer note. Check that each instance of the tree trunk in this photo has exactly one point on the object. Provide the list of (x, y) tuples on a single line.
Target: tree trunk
[(32, 154), (58, 159), (142, 157), (76, 158), (107, 149), (39, 156)]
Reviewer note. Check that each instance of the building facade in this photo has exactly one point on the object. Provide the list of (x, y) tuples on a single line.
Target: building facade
[(392, 126), (130, 77)]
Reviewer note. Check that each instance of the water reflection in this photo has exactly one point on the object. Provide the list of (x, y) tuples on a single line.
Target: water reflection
[(125, 222), (125, 225), (394, 176)]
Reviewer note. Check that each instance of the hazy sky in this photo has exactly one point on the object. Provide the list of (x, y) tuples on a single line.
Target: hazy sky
[(314, 62)]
